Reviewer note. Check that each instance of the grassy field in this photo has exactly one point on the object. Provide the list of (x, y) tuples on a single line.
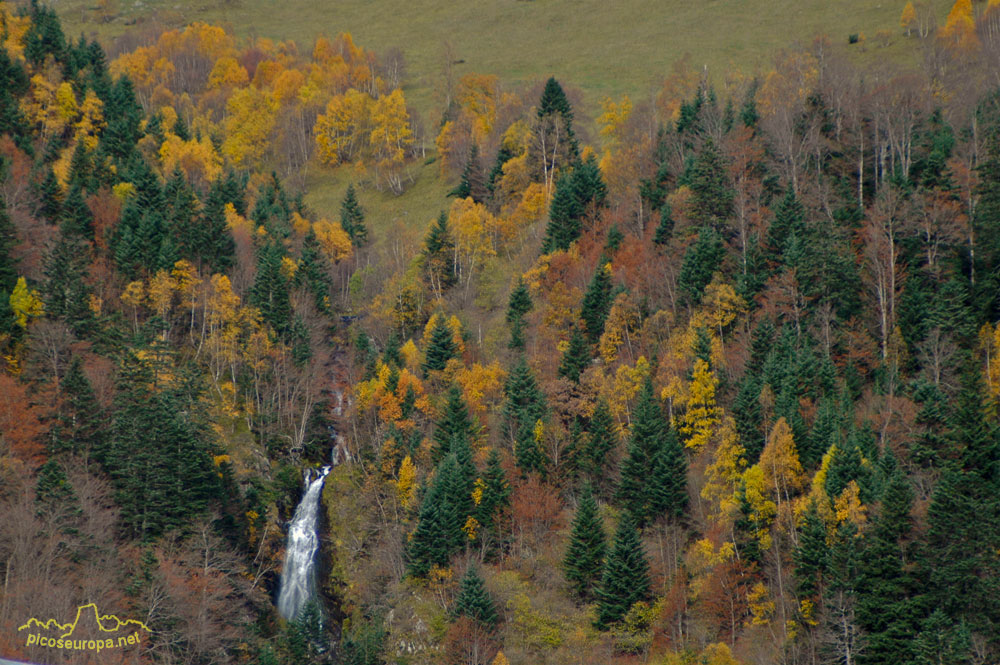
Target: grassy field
[(604, 48)]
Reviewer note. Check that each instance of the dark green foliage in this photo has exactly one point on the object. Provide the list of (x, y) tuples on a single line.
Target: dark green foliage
[(269, 293), (788, 223), (565, 214), (455, 423), (712, 200), (474, 600), (812, 554), (8, 240), (665, 228), (701, 260), (64, 290), (365, 643), (313, 272), (525, 402), (583, 563), (841, 593), (471, 185), (80, 428), (597, 303), (441, 347), (53, 487), (439, 529), (45, 36), (50, 197), (942, 642), (527, 449), (352, 218), (439, 255), (518, 306), (576, 358), (496, 493), (76, 217), (654, 473), (625, 580), (158, 457), (503, 156), (211, 241), (602, 440)]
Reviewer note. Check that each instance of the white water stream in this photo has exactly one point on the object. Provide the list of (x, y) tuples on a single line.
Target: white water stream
[(298, 577)]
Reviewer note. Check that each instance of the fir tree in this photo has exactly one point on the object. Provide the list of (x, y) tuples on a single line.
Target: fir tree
[(439, 526), (565, 211), (352, 218), (789, 222), (474, 601), (668, 482), (602, 440), (597, 303), (625, 579), (527, 450), (76, 216), (80, 428), (701, 260), (518, 306), (212, 242), (665, 228), (583, 563), (64, 290), (812, 553), (50, 197), (439, 256), (525, 403), (496, 492), (441, 347), (576, 358), (471, 185), (270, 289), (712, 199)]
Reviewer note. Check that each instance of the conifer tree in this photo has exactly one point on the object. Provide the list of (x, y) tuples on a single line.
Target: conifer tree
[(439, 256), (565, 214), (712, 199), (441, 347), (812, 553), (76, 217), (313, 272), (474, 600), (527, 450), (625, 579), (50, 197), (471, 185), (80, 428), (53, 487), (576, 358), (789, 222), (602, 440), (439, 527), (215, 246), (518, 306), (597, 303), (270, 289), (554, 146), (668, 482), (665, 228), (496, 492), (352, 218), (64, 290), (701, 260), (525, 402), (455, 423), (583, 563)]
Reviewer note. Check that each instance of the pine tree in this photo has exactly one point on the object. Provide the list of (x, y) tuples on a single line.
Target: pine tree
[(76, 216), (439, 527), (554, 146), (625, 579), (788, 223), (588, 184), (701, 261), (597, 303), (352, 218), (215, 245), (64, 290), (665, 228), (441, 347), (313, 272), (474, 600), (471, 185), (53, 488), (80, 428), (668, 482), (576, 358), (583, 563), (50, 197), (518, 306)]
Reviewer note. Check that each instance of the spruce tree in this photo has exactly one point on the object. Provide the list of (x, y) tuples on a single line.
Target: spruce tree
[(471, 185), (439, 256), (597, 303), (583, 563), (602, 440), (565, 214), (812, 554), (64, 290), (441, 347), (665, 228), (668, 482), (711, 200), (625, 580), (80, 428), (214, 242), (527, 450), (439, 527), (789, 222), (518, 306), (76, 216), (576, 358), (474, 600), (50, 197), (525, 402), (352, 218)]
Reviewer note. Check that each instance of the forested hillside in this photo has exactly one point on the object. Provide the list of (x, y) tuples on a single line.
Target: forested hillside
[(710, 378)]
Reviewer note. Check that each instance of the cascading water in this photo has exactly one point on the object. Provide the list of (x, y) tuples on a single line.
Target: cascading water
[(298, 578)]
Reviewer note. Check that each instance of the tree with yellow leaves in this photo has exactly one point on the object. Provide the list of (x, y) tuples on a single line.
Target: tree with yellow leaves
[(908, 19), (248, 126), (333, 240), (25, 303), (406, 483), (959, 31), (343, 130), (389, 138), (723, 475), (471, 223), (780, 462), (702, 413)]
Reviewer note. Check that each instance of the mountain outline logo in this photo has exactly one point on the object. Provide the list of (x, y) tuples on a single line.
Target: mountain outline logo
[(106, 624)]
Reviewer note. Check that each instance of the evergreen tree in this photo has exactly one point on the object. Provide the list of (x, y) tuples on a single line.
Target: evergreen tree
[(53, 489), (565, 213), (474, 601), (712, 200), (441, 347), (525, 402), (212, 241), (455, 423), (576, 358), (625, 580), (812, 554), (64, 290), (584, 560), (665, 228), (588, 184), (80, 428), (50, 197), (76, 216), (668, 482), (701, 260), (597, 303), (269, 292), (352, 218), (840, 598), (527, 449), (313, 272), (439, 526), (518, 306), (496, 492), (471, 185), (555, 145), (788, 223), (439, 256), (602, 440), (942, 642)]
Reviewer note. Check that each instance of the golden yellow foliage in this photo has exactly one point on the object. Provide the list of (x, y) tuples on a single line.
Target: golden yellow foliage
[(406, 483), (25, 303), (613, 117), (248, 126), (848, 506), (333, 240), (197, 159), (482, 386), (702, 414), (762, 508), (959, 30), (723, 475), (342, 132), (908, 19), (227, 73), (761, 609)]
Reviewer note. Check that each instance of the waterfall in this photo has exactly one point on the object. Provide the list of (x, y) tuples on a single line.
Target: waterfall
[(298, 578)]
